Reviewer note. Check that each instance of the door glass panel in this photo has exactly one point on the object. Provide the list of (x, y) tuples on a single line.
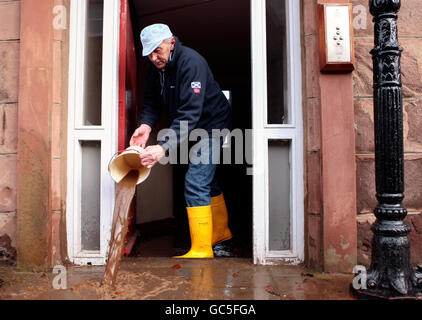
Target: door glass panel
[(279, 194), (90, 194), (93, 63), (277, 112)]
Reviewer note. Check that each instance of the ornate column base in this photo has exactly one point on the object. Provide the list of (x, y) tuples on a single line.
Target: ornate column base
[(391, 275)]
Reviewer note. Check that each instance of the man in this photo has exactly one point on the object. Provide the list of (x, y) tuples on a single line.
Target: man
[(180, 83)]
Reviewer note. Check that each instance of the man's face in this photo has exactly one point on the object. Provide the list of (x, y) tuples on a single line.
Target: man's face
[(161, 55)]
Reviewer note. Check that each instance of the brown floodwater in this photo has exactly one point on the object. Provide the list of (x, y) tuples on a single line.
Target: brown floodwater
[(124, 195)]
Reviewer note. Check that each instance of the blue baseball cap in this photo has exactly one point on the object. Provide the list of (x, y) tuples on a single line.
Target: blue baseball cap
[(152, 36)]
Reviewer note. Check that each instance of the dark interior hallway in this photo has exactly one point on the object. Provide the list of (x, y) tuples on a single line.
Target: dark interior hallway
[(220, 31)]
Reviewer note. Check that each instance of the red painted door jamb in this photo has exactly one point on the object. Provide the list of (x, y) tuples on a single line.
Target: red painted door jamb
[(127, 102)]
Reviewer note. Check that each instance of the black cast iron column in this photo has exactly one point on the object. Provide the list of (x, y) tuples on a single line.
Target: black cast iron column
[(391, 274)]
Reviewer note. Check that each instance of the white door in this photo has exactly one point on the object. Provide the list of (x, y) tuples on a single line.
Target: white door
[(278, 196), (92, 127)]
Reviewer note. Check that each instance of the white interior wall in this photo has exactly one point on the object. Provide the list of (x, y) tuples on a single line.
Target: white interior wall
[(154, 197)]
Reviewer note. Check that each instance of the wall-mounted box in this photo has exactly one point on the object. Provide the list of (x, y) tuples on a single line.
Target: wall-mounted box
[(336, 49)]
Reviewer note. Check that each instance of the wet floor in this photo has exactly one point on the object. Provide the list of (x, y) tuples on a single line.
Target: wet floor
[(178, 279), (163, 245), (167, 240)]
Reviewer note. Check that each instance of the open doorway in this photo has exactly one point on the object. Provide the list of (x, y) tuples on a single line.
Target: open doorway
[(220, 31)]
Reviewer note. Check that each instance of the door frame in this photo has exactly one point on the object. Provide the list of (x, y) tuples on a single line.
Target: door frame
[(106, 133), (262, 132)]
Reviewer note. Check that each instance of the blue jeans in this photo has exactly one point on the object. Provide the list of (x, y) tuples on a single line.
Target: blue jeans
[(200, 180)]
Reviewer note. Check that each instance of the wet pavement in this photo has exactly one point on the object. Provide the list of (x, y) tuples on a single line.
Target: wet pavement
[(177, 279)]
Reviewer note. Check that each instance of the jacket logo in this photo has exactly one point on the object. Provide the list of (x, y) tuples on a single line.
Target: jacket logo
[(196, 86)]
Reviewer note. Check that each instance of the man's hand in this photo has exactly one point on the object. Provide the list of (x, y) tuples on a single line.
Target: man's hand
[(140, 136), (152, 155)]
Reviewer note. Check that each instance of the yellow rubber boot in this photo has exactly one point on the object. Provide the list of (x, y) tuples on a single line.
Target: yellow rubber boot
[(200, 228), (220, 220)]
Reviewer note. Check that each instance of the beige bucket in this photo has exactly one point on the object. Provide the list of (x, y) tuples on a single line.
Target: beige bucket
[(126, 161)]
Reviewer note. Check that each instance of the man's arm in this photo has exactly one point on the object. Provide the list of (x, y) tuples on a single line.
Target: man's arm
[(151, 109), (150, 114)]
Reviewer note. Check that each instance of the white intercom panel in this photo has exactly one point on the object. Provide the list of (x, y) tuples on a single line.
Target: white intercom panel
[(336, 37)]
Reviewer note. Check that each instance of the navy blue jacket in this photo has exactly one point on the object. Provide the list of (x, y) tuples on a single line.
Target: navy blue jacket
[(185, 91)]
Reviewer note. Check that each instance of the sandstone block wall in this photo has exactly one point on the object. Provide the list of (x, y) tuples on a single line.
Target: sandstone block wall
[(312, 132), (410, 38), (9, 83)]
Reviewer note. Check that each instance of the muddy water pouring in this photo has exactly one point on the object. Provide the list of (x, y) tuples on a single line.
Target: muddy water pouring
[(126, 169)]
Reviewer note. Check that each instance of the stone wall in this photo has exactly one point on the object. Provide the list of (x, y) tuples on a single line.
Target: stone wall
[(312, 132), (35, 88), (330, 188), (410, 38), (42, 119), (9, 74)]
